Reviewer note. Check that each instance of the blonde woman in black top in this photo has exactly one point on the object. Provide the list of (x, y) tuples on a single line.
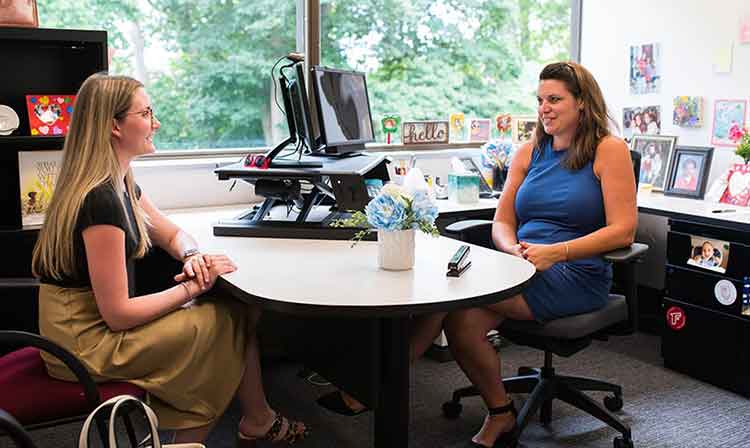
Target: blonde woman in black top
[(191, 356)]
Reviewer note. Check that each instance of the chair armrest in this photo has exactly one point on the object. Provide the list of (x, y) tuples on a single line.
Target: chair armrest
[(474, 225), (23, 338), (10, 426), (629, 254)]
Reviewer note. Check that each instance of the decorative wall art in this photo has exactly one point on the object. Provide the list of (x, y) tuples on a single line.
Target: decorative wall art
[(49, 115), (645, 68), (727, 113), (688, 111), (479, 130), (641, 120)]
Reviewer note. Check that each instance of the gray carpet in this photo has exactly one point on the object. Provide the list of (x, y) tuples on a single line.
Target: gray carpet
[(664, 408)]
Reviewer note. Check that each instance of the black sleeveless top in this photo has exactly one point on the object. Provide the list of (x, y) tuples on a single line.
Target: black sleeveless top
[(102, 206)]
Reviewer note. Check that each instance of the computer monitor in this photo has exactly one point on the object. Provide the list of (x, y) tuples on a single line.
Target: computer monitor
[(301, 107), (343, 109)]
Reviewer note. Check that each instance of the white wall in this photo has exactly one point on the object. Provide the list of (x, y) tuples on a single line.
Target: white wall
[(690, 32)]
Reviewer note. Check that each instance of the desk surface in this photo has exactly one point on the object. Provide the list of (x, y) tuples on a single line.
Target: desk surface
[(693, 209), (329, 276)]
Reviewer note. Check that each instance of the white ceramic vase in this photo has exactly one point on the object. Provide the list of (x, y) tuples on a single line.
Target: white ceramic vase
[(396, 249)]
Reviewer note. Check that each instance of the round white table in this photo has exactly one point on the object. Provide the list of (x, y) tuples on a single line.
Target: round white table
[(331, 279)]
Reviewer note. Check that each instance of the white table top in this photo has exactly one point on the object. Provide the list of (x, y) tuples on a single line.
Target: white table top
[(657, 203), (448, 206), (301, 276)]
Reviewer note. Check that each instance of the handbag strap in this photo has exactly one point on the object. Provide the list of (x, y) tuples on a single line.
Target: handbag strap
[(117, 401)]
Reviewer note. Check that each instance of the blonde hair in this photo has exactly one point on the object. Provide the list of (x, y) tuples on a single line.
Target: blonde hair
[(89, 160), (594, 121)]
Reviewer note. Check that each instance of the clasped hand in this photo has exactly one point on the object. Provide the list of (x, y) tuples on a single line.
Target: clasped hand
[(204, 269), (542, 256)]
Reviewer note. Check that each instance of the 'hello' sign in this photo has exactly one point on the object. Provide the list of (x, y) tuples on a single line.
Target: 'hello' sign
[(422, 132)]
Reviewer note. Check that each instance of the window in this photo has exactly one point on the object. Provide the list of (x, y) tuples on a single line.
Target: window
[(425, 59), (206, 63)]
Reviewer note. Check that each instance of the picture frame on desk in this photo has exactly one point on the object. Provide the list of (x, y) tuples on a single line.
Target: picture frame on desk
[(522, 128), (656, 157), (688, 171)]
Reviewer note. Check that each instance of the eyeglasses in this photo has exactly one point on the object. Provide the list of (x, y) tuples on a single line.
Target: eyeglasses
[(145, 113)]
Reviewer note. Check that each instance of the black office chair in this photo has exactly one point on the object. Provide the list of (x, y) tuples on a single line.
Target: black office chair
[(565, 337), (10, 426)]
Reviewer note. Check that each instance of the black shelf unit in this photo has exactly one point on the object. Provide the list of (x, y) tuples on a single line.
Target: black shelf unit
[(706, 327), (47, 61), (39, 61)]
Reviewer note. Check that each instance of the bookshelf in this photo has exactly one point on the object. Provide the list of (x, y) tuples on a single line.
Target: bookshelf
[(37, 61), (45, 61)]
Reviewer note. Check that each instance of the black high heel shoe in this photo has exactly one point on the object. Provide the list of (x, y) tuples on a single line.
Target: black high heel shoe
[(508, 439)]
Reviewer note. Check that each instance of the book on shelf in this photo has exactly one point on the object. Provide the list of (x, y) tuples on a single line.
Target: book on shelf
[(37, 173)]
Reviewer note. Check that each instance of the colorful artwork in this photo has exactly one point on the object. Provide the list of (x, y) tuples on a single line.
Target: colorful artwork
[(458, 127), (480, 130), (37, 172), (503, 124), (688, 111), (390, 125), (645, 69), (738, 186), (523, 128), (641, 120), (727, 113), (49, 115)]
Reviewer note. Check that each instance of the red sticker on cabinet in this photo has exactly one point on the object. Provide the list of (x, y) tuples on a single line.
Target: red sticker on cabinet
[(676, 318)]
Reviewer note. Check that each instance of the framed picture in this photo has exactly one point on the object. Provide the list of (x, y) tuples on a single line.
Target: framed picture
[(727, 113), (709, 253), (523, 127), (656, 155), (688, 171), (480, 130)]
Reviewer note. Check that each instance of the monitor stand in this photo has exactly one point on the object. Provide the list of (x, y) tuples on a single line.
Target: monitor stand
[(281, 163)]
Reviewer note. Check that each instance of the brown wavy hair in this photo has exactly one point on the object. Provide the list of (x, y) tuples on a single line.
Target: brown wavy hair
[(593, 124)]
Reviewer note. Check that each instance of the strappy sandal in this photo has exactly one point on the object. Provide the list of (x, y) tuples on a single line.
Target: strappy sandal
[(295, 431), (508, 439)]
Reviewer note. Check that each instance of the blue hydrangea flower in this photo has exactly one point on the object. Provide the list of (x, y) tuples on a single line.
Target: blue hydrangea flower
[(386, 212), (424, 209)]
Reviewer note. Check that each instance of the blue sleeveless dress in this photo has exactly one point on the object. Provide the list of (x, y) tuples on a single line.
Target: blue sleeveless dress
[(555, 204)]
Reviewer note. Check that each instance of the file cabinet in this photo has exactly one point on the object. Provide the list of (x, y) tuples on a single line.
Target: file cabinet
[(706, 303)]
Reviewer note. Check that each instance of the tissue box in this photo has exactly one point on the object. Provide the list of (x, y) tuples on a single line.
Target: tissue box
[(463, 188)]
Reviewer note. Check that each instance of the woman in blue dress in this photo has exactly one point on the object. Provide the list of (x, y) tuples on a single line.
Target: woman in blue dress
[(569, 197)]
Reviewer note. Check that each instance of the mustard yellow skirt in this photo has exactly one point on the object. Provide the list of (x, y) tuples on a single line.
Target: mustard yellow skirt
[(190, 361)]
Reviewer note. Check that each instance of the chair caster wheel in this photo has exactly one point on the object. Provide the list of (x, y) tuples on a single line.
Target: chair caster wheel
[(613, 403), (452, 409), (620, 442)]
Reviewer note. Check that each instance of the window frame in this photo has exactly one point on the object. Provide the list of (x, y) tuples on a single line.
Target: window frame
[(308, 42)]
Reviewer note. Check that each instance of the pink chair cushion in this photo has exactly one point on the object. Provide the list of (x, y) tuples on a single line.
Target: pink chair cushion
[(32, 396)]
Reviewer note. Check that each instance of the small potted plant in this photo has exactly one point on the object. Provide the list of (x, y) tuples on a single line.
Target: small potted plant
[(395, 213), (742, 138)]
